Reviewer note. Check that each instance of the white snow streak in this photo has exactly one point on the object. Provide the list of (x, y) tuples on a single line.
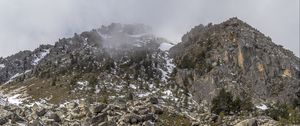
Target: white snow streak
[(14, 99), (16, 75), (41, 56), (82, 84), (165, 46), (262, 107), (2, 66)]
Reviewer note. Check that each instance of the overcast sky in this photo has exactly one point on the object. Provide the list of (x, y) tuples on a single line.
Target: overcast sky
[(25, 24)]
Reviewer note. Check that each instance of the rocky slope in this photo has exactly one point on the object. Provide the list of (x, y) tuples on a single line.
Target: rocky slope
[(235, 56), (124, 75)]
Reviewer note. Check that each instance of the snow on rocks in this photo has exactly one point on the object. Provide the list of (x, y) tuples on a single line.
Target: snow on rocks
[(2, 66), (16, 75), (141, 95), (97, 89), (15, 99), (169, 67), (165, 46), (262, 107), (40, 56), (82, 85), (132, 86)]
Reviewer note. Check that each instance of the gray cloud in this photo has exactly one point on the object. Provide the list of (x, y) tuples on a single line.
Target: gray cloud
[(24, 24)]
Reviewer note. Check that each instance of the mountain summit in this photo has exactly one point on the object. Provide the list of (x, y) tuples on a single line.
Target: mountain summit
[(227, 73), (236, 56)]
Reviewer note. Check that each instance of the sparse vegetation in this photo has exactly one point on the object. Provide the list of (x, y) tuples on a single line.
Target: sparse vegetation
[(224, 103), (170, 119), (284, 113), (93, 80)]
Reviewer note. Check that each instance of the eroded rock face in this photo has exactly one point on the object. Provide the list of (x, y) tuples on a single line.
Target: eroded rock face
[(237, 57)]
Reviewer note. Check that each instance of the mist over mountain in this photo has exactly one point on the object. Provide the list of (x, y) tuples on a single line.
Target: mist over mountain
[(27, 24)]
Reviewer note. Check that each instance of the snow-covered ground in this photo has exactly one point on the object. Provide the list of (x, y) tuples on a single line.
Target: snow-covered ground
[(141, 95), (16, 75), (170, 65), (15, 99), (169, 62), (165, 46), (262, 107), (40, 56), (2, 66), (132, 86)]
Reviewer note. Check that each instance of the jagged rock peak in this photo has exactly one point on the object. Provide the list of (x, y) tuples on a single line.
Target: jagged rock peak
[(130, 29), (234, 21), (235, 56)]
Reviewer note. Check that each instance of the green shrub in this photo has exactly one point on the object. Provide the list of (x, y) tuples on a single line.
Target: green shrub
[(278, 111), (93, 80), (224, 103), (53, 82), (284, 113), (187, 63)]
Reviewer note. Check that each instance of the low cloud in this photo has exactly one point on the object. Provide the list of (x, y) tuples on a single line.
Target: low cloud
[(24, 24)]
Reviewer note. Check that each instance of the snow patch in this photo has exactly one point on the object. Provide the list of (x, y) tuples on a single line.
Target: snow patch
[(82, 84), (16, 75), (165, 46), (141, 95), (164, 75), (14, 99), (168, 92), (40, 56), (138, 35), (170, 67), (41, 102), (262, 107), (97, 89), (132, 86), (2, 66)]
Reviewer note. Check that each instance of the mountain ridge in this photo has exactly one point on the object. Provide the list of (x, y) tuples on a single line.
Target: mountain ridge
[(128, 68), (237, 47)]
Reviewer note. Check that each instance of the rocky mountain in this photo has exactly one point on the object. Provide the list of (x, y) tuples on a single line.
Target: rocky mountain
[(21, 62), (236, 56), (122, 74)]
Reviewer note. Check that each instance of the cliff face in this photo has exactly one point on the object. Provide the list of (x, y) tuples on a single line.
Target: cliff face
[(237, 57)]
